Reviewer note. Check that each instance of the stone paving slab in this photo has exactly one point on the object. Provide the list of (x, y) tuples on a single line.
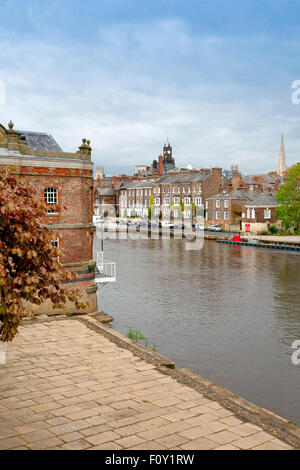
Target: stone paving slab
[(66, 386)]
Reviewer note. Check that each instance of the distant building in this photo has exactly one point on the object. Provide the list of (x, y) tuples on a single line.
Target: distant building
[(259, 214)]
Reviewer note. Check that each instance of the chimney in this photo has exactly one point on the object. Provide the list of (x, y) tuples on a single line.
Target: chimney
[(217, 170), (236, 180), (161, 165), (228, 188)]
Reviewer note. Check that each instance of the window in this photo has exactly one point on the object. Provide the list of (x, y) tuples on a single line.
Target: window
[(217, 215), (248, 213), (251, 187), (206, 204), (176, 201), (267, 214), (189, 189), (169, 189), (253, 213), (187, 201), (167, 212), (51, 197), (198, 201), (167, 201), (187, 213), (157, 201), (226, 215), (175, 214), (226, 203), (55, 243), (218, 203)]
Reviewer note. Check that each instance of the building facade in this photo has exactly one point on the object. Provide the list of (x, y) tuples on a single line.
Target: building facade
[(259, 214), (65, 182)]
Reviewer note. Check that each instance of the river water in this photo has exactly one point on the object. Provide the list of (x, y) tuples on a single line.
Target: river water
[(229, 313)]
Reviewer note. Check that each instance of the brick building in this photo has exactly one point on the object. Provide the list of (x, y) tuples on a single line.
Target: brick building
[(65, 182), (259, 214), (186, 191), (226, 209)]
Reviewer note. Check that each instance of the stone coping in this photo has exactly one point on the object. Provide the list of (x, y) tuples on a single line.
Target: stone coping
[(245, 410)]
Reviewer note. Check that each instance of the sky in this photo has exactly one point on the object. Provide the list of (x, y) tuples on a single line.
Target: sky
[(213, 76)]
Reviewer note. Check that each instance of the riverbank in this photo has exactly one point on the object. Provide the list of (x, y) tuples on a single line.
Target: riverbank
[(82, 385)]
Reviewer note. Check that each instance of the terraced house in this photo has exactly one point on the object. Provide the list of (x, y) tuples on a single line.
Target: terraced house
[(65, 182), (172, 195)]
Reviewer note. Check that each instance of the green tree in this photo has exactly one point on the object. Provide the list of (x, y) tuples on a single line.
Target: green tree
[(288, 198), (29, 266)]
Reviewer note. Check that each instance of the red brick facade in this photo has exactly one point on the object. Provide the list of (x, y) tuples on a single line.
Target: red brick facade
[(70, 176)]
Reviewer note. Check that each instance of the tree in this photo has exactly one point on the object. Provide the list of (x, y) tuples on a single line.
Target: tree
[(288, 196), (29, 266)]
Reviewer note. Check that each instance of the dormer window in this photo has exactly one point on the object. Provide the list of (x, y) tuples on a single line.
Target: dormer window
[(51, 198)]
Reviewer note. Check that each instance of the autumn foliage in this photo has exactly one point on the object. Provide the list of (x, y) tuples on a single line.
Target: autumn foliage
[(29, 266)]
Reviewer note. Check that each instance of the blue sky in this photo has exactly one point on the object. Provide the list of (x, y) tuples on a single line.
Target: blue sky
[(213, 75)]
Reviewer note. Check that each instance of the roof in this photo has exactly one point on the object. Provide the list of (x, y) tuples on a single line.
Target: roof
[(263, 200), (105, 191), (235, 194), (41, 141)]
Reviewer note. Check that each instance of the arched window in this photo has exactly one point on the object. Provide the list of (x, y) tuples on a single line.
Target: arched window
[(51, 197)]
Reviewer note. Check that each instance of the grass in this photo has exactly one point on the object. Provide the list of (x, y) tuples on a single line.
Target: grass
[(138, 337)]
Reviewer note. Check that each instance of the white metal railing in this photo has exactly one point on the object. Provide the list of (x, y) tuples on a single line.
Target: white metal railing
[(106, 268), (109, 269), (100, 260)]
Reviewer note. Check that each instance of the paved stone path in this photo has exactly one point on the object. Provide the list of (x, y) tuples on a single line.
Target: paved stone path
[(67, 387)]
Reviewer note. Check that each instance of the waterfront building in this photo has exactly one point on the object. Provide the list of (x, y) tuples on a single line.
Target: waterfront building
[(226, 209), (65, 182), (172, 195), (259, 214)]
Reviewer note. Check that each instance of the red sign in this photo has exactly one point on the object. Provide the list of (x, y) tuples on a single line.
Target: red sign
[(247, 227)]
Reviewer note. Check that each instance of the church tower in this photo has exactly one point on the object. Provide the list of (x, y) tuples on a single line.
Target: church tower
[(281, 160)]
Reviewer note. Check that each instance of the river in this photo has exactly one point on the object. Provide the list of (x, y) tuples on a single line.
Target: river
[(229, 313)]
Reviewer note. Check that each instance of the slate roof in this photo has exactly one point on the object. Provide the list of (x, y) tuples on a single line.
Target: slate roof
[(41, 141), (263, 200), (105, 191), (235, 194)]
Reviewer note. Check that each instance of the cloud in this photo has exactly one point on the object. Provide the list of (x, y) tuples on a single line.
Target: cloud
[(136, 84)]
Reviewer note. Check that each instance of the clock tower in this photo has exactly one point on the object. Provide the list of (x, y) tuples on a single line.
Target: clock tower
[(169, 162)]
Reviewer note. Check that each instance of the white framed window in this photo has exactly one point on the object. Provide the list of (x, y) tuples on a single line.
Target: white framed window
[(187, 201), (167, 201), (157, 211), (226, 203), (183, 189), (176, 201), (206, 204), (187, 213), (167, 212), (248, 213), (189, 189), (157, 201), (198, 201), (251, 187), (169, 189), (267, 214), (218, 203), (226, 215), (253, 214), (217, 215), (51, 197)]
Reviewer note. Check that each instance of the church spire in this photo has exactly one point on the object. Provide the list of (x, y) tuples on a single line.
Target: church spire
[(281, 160)]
